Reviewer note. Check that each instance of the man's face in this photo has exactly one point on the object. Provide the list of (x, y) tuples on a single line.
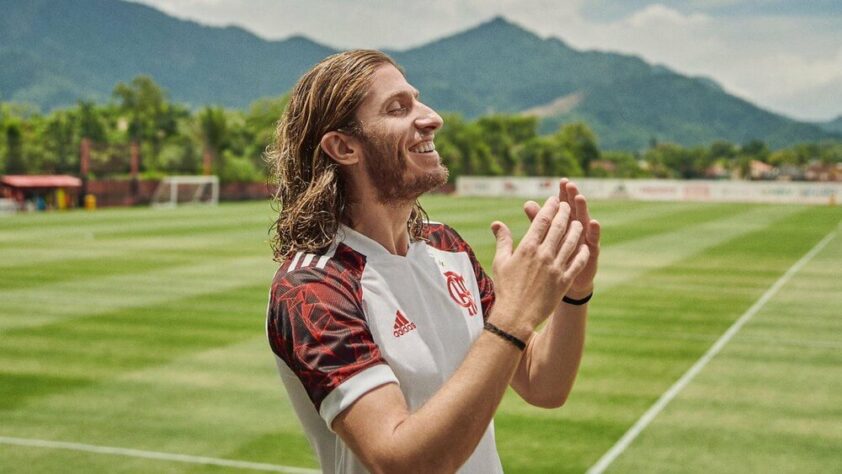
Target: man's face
[(398, 130)]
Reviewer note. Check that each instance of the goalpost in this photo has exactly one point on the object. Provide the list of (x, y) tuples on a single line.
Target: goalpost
[(175, 191)]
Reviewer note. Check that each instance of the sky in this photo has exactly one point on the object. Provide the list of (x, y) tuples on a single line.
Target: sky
[(784, 55)]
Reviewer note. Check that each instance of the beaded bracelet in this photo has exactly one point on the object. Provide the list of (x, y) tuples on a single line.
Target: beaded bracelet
[(503, 334)]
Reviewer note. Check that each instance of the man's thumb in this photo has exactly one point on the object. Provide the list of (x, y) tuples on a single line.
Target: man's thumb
[(503, 236)]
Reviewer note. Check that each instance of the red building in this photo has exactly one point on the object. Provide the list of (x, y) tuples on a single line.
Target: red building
[(40, 191)]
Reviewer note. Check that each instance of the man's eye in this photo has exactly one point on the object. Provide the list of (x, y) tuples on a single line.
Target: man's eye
[(397, 109)]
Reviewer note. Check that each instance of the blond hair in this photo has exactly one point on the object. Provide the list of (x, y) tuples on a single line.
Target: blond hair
[(311, 194)]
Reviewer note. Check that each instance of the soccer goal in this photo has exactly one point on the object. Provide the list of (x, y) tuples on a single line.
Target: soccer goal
[(180, 190)]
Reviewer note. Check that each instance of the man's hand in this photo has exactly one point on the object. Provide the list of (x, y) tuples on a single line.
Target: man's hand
[(531, 280), (569, 193)]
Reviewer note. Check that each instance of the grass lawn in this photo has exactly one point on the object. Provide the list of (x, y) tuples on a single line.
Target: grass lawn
[(144, 329)]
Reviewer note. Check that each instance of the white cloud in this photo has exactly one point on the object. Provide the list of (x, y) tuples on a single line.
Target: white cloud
[(657, 15)]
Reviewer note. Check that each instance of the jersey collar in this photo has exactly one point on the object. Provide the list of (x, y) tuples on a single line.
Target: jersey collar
[(367, 246)]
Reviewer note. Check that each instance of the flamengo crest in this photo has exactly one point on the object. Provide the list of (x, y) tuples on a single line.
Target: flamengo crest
[(460, 293)]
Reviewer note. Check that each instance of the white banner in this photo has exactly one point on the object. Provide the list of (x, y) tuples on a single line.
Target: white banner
[(658, 189)]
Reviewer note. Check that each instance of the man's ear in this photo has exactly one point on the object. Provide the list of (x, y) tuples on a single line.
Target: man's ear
[(342, 148)]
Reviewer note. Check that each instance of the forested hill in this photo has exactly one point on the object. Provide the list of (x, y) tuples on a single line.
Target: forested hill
[(55, 52), (834, 125)]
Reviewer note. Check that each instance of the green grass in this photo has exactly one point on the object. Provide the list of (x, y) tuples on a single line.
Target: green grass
[(144, 329)]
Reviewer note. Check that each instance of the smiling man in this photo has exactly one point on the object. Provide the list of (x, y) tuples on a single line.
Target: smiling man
[(394, 345)]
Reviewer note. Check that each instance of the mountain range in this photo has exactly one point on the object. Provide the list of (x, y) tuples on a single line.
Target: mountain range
[(56, 52)]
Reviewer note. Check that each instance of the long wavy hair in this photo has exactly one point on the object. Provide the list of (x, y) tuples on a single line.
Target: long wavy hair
[(311, 190)]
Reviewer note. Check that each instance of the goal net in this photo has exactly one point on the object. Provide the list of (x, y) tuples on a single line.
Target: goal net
[(180, 190)]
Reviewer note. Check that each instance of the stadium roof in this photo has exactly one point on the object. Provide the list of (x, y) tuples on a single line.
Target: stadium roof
[(41, 181)]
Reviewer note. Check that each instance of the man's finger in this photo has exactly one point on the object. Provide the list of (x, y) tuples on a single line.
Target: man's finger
[(538, 229), (504, 239), (558, 227), (531, 208), (594, 230), (577, 264), (581, 206), (572, 192), (562, 190), (571, 241)]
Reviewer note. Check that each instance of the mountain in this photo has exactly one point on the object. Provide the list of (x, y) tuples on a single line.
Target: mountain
[(500, 67), (55, 52), (834, 126)]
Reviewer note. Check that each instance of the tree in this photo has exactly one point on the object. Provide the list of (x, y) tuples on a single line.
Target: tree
[(151, 118), (542, 156), (58, 139), (213, 129), (581, 142), (15, 163), (503, 134), (91, 124)]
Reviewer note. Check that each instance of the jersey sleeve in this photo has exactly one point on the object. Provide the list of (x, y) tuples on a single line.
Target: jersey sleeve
[(446, 238), (316, 325)]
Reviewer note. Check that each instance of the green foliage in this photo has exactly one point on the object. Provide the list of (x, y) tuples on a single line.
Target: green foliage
[(14, 150), (542, 156), (578, 139), (173, 140), (238, 169)]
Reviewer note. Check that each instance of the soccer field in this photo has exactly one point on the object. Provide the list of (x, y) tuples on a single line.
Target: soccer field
[(132, 340)]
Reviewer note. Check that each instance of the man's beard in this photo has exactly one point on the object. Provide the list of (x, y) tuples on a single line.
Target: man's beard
[(386, 167)]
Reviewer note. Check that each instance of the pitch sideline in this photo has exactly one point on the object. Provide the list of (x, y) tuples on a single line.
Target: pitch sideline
[(137, 453), (653, 411)]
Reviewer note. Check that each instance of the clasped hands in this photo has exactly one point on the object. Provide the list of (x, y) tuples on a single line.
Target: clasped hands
[(556, 257)]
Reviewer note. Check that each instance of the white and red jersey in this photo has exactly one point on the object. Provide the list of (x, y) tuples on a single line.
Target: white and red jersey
[(357, 317)]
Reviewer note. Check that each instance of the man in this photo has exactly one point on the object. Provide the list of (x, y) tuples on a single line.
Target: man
[(394, 345)]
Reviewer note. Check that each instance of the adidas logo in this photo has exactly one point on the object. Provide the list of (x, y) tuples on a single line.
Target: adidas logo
[(402, 325)]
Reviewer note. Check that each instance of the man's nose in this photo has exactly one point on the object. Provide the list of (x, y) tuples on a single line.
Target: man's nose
[(428, 119)]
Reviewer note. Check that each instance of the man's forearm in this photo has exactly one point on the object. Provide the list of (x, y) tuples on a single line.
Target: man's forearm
[(454, 419), (441, 435), (551, 361)]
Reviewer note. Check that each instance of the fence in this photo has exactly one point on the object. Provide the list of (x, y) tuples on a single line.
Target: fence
[(114, 192), (658, 190)]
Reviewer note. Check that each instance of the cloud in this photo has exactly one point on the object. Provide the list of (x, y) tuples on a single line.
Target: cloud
[(788, 64), (657, 15)]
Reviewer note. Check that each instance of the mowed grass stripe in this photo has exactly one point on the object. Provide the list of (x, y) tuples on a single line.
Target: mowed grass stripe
[(78, 352), (622, 375), (154, 455), (627, 260), (126, 409), (89, 297), (62, 225), (762, 407), (228, 243), (249, 236)]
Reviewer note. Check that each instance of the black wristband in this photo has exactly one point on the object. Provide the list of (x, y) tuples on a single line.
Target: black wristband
[(495, 330), (580, 302)]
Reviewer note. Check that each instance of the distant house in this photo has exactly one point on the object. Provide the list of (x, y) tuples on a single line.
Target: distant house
[(818, 171), (717, 171), (761, 170), (607, 166), (790, 173)]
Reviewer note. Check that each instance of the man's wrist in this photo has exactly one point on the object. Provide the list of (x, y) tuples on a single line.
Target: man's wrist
[(517, 328), (579, 302), (579, 294)]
